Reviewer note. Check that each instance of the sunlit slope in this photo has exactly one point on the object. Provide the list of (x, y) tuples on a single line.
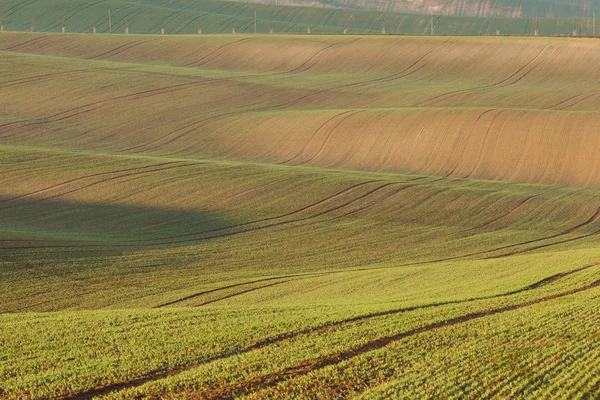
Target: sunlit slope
[(299, 274), (296, 353), (218, 16), (521, 109), (298, 217), (195, 224)]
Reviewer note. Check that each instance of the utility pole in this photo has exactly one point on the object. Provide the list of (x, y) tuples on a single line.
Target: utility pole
[(254, 21), (109, 23), (581, 20), (431, 23), (594, 23), (431, 14)]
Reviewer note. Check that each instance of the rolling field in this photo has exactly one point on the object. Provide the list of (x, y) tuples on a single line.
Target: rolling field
[(471, 8), (219, 16), (285, 216)]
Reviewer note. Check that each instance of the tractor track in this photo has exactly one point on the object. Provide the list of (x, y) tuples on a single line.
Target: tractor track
[(38, 78), (197, 124), (250, 290), (275, 224), (328, 136), (376, 201), (57, 185), (308, 366), (226, 392), (163, 242), (511, 210), (27, 43), (483, 142), (573, 229), (398, 75), (220, 49), (496, 85), (305, 66), (199, 294), (73, 112), (463, 154), (313, 136)]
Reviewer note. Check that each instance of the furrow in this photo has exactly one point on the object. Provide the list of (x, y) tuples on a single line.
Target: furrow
[(228, 392)]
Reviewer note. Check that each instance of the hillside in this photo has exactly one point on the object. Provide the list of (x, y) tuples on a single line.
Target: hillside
[(470, 8), (218, 16), (457, 107), (298, 216)]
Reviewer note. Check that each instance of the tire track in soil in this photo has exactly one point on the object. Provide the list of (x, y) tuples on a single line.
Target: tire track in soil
[(565, 101), (38, 78), (483, 142), (579, 98), (161, 169), (85, 177), (279, 106), (220, 49), (312, 138), (26, 43), (205, 292), (511, 210), (277, 224), (69, 15), (498, 84), (461, 159), (241, 293), (164, 240), (571, 230), (230, 391), (88, 243), (282, 223), (308, 366), (305, 208), (121, 49), (375, 202), (326, 139), (310, 206), (588, 222), (512, 253), (199, 294), (368, 205), (197, 124), (398, 75), (156, 242), (305, 66), (19, 6), (64, 115)]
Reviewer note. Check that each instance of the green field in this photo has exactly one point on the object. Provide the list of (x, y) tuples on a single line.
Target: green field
[(218, 16), (295, 216), (471, 8)]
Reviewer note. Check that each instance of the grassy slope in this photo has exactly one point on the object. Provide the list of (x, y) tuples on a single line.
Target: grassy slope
[(163, 271), (491, 108), (473, 8), (217, 16)]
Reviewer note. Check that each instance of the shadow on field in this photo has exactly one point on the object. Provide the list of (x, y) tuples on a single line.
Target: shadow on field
[(35, 224)]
